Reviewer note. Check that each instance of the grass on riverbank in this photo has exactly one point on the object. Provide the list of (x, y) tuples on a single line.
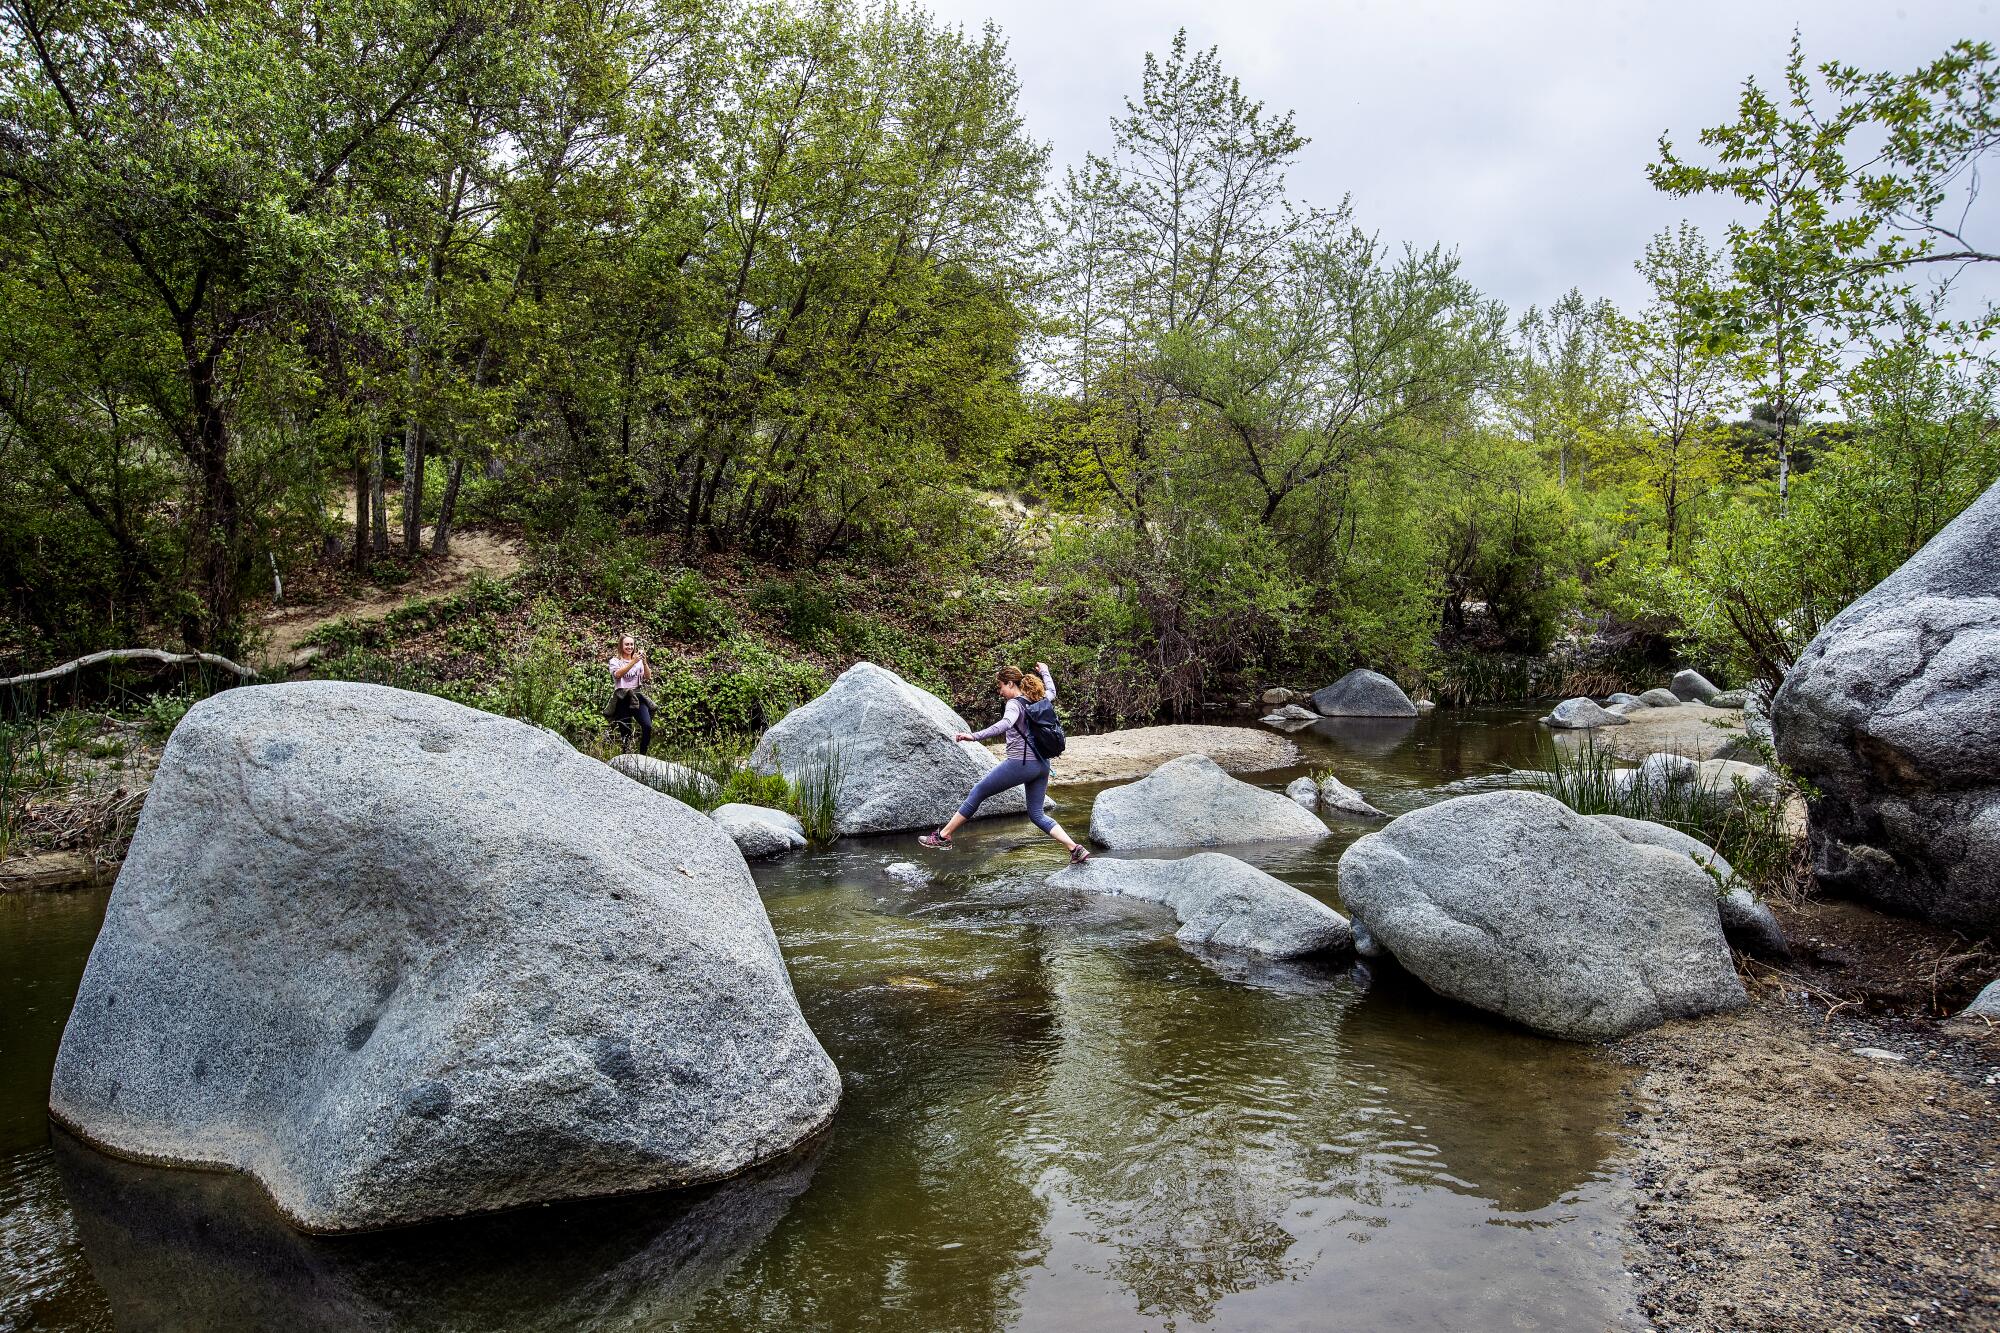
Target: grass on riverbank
[(1750, 834)]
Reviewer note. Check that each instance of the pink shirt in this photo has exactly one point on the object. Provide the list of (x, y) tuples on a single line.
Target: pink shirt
[(628, 672)]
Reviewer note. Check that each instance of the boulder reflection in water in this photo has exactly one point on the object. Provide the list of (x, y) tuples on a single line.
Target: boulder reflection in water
[(179, 1249)]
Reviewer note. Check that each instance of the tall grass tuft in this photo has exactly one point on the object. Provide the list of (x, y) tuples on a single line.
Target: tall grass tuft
[(1748, 833), (816, 792)]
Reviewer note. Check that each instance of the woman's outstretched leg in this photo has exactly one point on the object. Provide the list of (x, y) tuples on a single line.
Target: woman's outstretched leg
[(1010, 773), (1038, 791)]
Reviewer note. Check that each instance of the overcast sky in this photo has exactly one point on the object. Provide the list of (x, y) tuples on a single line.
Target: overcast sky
[(1517, 132)]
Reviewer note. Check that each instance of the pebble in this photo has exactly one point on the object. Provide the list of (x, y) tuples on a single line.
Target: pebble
[(1877, 1053)]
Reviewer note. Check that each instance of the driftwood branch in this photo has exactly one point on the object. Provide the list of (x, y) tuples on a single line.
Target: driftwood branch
[(123, 654)]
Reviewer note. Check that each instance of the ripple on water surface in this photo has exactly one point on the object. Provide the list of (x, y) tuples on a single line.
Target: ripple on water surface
[(1055, 1117)]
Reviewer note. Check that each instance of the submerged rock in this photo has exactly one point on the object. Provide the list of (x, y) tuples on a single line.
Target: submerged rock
[(663, 775), (759, 831), (1221, 902), (1747, 922), (1514, 902), (1191, 802), (1892, 714), (1581, 714), (399, 959), (1363, 693), (1691, 685), (899, 766)]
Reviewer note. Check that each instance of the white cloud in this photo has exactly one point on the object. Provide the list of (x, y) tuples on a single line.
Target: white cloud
[(1518, 133)]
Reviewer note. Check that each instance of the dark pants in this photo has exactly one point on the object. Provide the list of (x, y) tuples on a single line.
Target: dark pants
[(629, 708), (1031, 773)]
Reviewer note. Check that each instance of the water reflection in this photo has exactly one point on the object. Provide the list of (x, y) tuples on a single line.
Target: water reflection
[(201, 1250), (1374, 737)]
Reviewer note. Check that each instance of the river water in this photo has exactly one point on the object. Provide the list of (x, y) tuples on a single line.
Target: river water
[(1055, 1118)]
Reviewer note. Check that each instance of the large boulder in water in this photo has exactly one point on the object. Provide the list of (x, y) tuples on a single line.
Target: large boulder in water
[(758, 831), (399, 959), (1220, 902), (1192, 802), (1363, 693), (899, 766), (1512, 901), (1892, 714)]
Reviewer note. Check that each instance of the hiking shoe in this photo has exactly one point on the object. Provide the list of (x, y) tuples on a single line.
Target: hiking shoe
[(1078, 854), (935, 840)]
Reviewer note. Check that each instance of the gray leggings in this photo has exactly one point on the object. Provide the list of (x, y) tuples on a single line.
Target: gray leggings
[(1033, 773)]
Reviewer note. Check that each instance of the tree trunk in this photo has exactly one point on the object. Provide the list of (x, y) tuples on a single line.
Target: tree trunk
[(413, 489), (363, 489), (448, 502), (378, 490)]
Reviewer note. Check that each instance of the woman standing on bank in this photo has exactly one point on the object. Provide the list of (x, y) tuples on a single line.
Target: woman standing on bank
[(629, 673), (1023, 767)]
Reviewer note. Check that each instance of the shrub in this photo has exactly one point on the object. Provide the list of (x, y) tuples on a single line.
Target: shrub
[(807, 607), (688, 609)]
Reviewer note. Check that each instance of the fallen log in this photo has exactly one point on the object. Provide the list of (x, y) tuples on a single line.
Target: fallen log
[(160, 655)]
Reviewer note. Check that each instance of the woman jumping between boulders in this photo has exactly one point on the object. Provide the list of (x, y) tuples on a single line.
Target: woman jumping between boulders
[(1024, 765), (629, 673)]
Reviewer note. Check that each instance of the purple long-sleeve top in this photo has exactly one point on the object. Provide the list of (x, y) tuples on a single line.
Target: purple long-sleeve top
[(1010, 722)]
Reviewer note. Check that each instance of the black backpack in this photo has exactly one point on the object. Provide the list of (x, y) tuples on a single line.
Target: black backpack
[(1043, 730)]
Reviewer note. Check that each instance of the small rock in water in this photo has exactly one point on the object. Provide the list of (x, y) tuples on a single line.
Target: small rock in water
[(909, 872), (1303, 790), (1221, 902), (1338, 798)]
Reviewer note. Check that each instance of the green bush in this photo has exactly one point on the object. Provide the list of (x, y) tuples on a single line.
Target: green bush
[(807, 607), (688, 609)]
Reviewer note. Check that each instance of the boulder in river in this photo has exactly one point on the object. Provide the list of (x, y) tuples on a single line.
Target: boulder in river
[(1288, 714), (1690, 685), (1336, 797), (1363, 693), (899, 766), (1512, 901), (1192, 802), (1581, 714), (1221, 903), (1747, 922), (399, 959), (1303, 790), (1892, 714), (758, 831), (1278, 696)]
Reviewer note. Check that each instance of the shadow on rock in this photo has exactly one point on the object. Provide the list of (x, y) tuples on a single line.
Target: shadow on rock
[(180, 1249)]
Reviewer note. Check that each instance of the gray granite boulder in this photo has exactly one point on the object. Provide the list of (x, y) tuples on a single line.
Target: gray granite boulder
[(1363, 693), (1721, 777), (1278, 696), (1221, 903), (1621, 697), (1729, 699), (1747, 922), (758, 831), (1893, 715), (399, 959), (1658, 697), (1580, 714), (1192, 802), (1512, 901), (1289, 713), (663, 775), (899, 766), (1986, 1004), (1304, 791), (1691, 686)]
